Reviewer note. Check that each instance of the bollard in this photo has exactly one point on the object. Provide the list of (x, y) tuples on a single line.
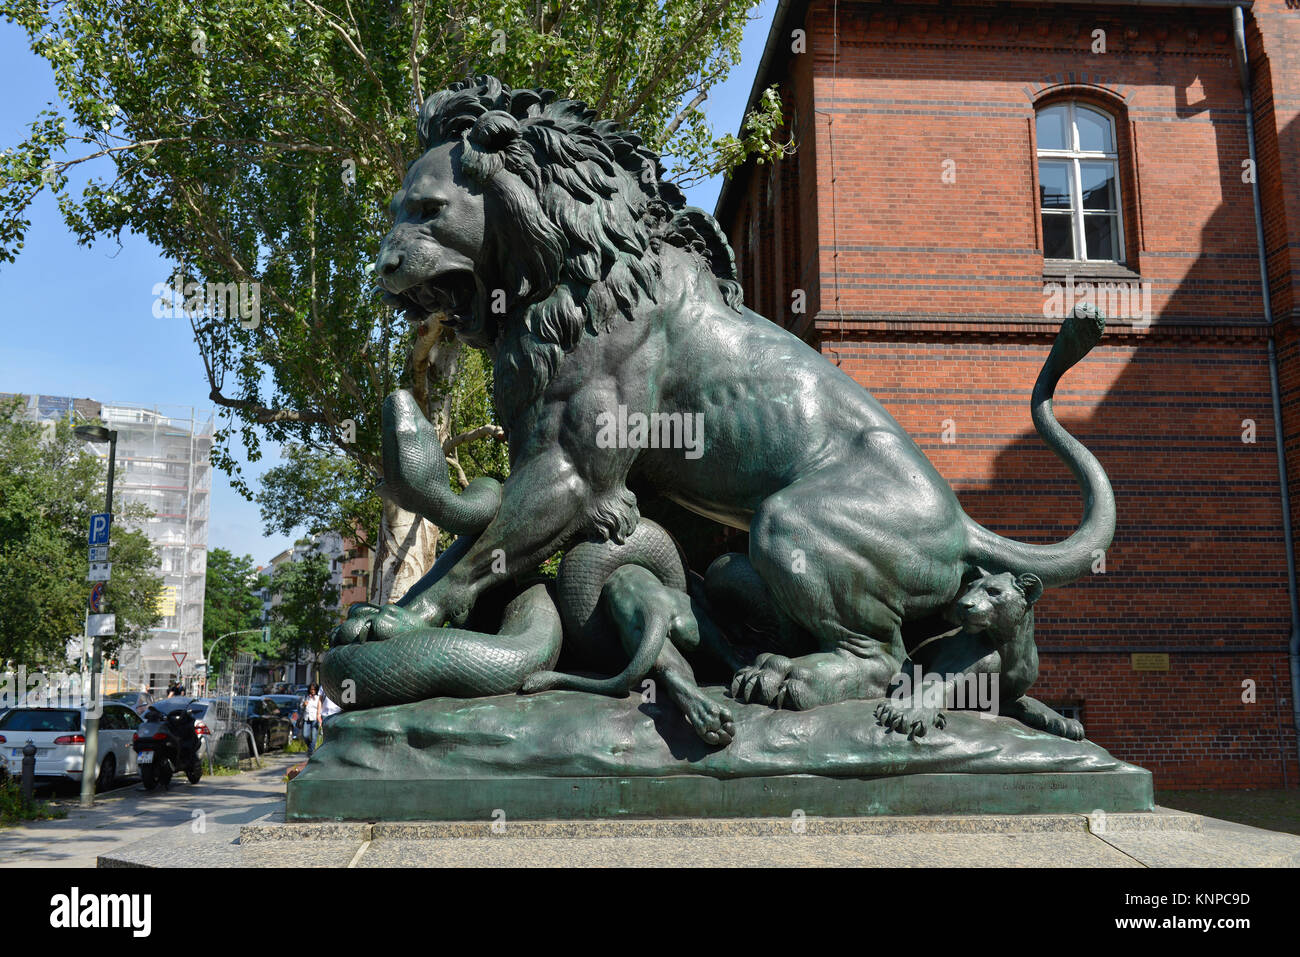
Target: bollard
[(29, 771)]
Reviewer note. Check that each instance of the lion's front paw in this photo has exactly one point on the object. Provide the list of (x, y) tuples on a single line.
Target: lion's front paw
[(368, 622), (800, 692), (761, 682), (902, 716)]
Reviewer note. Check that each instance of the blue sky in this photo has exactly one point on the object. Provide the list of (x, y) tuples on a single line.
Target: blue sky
[(78, 320)]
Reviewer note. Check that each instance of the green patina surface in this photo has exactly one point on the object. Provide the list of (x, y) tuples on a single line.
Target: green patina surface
[(320, 796), (565, 754)]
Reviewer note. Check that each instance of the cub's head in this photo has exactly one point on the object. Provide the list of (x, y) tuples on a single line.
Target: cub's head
[(996, 603)]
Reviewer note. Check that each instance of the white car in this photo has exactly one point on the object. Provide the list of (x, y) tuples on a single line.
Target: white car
[(59, 736)]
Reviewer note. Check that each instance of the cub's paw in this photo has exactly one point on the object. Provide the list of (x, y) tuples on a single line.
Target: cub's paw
[(710, 720), (903, 717), (1067, 728)]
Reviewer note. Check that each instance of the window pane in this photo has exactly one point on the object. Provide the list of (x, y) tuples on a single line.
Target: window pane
[(1058, 236), (1054, 184), (1101, 233), (1094, 131), (1051, 129), (1099, 186)]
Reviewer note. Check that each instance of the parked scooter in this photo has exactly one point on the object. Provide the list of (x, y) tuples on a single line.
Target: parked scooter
[(167, 742)]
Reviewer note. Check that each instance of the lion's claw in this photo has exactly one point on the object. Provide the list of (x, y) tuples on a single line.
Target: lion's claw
[(904, 717), (763, 681)]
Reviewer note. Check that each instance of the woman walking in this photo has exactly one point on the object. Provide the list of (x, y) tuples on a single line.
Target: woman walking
[(311, 707)]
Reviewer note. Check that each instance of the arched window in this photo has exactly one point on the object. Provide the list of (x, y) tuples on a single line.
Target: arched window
[(1078, 183)]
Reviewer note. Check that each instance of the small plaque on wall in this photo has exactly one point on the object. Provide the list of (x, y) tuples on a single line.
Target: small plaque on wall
[(1150, 661)]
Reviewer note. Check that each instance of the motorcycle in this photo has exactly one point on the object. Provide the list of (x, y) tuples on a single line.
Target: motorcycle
[(165, 743)]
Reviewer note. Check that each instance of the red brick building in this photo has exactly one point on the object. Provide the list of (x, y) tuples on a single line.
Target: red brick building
[(355, 569), (954, 160)]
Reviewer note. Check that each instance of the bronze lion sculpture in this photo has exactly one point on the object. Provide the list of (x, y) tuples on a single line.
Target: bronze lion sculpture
[(550, 238)]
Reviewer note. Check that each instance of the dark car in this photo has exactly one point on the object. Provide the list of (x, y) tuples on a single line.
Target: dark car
[(137, 701), (290, 706), (271, 728)]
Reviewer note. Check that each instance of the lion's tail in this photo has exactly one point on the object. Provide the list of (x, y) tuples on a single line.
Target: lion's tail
[(1065, 561)]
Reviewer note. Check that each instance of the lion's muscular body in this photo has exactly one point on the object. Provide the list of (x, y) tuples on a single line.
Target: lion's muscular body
[(794, 451), (617, 294)]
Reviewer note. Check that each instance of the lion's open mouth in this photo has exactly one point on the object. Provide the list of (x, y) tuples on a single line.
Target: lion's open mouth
[(458, 302), (451, 294)]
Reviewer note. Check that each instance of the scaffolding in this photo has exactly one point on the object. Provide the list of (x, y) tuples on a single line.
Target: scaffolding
[(163, 463)]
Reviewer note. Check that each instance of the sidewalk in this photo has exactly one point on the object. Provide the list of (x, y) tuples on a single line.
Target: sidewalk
[(131, 814), (1161, 839)]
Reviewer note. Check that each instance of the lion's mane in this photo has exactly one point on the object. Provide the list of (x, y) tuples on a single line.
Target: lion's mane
[(577, 209)]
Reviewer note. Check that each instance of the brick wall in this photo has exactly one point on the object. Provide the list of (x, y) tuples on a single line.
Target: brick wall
[(930, 293)]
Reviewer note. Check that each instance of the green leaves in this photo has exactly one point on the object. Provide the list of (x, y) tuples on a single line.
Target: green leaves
[(321, 491), (229, 602), (308, 607), (220, 132)]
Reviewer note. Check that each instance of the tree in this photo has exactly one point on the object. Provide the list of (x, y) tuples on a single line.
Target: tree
[(308, 608), (50, 485), (320, 491), (257, 142), (229, 604)]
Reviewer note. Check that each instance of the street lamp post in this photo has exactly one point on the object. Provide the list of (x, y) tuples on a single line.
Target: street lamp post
[(96, 433), (230, 634)]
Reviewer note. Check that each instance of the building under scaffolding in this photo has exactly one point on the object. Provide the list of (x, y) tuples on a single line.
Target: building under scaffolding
[(163, 463)]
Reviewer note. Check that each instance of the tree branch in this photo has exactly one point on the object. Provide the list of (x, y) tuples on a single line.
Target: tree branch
[(677, 120), (482, 432), (461, 477), (706, 21), (417, 27), (265, 416)]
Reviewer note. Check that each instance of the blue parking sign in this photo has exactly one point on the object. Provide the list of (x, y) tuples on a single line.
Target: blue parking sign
[(99, 526)]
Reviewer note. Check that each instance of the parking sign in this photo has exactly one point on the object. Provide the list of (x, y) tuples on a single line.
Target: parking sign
[(99, 526)]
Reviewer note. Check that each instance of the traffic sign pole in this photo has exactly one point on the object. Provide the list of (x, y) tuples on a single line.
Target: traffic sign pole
[(91, 753)]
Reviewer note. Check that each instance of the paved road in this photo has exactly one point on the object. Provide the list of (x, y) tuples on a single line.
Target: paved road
[(130, 814)]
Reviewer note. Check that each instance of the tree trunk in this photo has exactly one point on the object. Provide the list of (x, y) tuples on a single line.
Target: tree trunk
[(408, 544)]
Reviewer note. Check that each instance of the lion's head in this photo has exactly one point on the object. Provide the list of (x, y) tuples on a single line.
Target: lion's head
[(526, 209)]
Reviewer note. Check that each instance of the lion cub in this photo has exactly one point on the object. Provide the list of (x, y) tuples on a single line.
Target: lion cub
[(994, 616)]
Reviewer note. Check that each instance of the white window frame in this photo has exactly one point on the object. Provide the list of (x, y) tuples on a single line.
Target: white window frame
[(1074, 156)]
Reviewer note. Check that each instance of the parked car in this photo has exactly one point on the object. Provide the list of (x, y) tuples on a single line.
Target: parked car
[(300, 691), (290, 706), (137, 701), (60, 738), (271, 728), (257, 691)]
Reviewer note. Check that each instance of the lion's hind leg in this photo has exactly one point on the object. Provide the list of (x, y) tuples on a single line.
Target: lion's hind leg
[(826, 553)]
